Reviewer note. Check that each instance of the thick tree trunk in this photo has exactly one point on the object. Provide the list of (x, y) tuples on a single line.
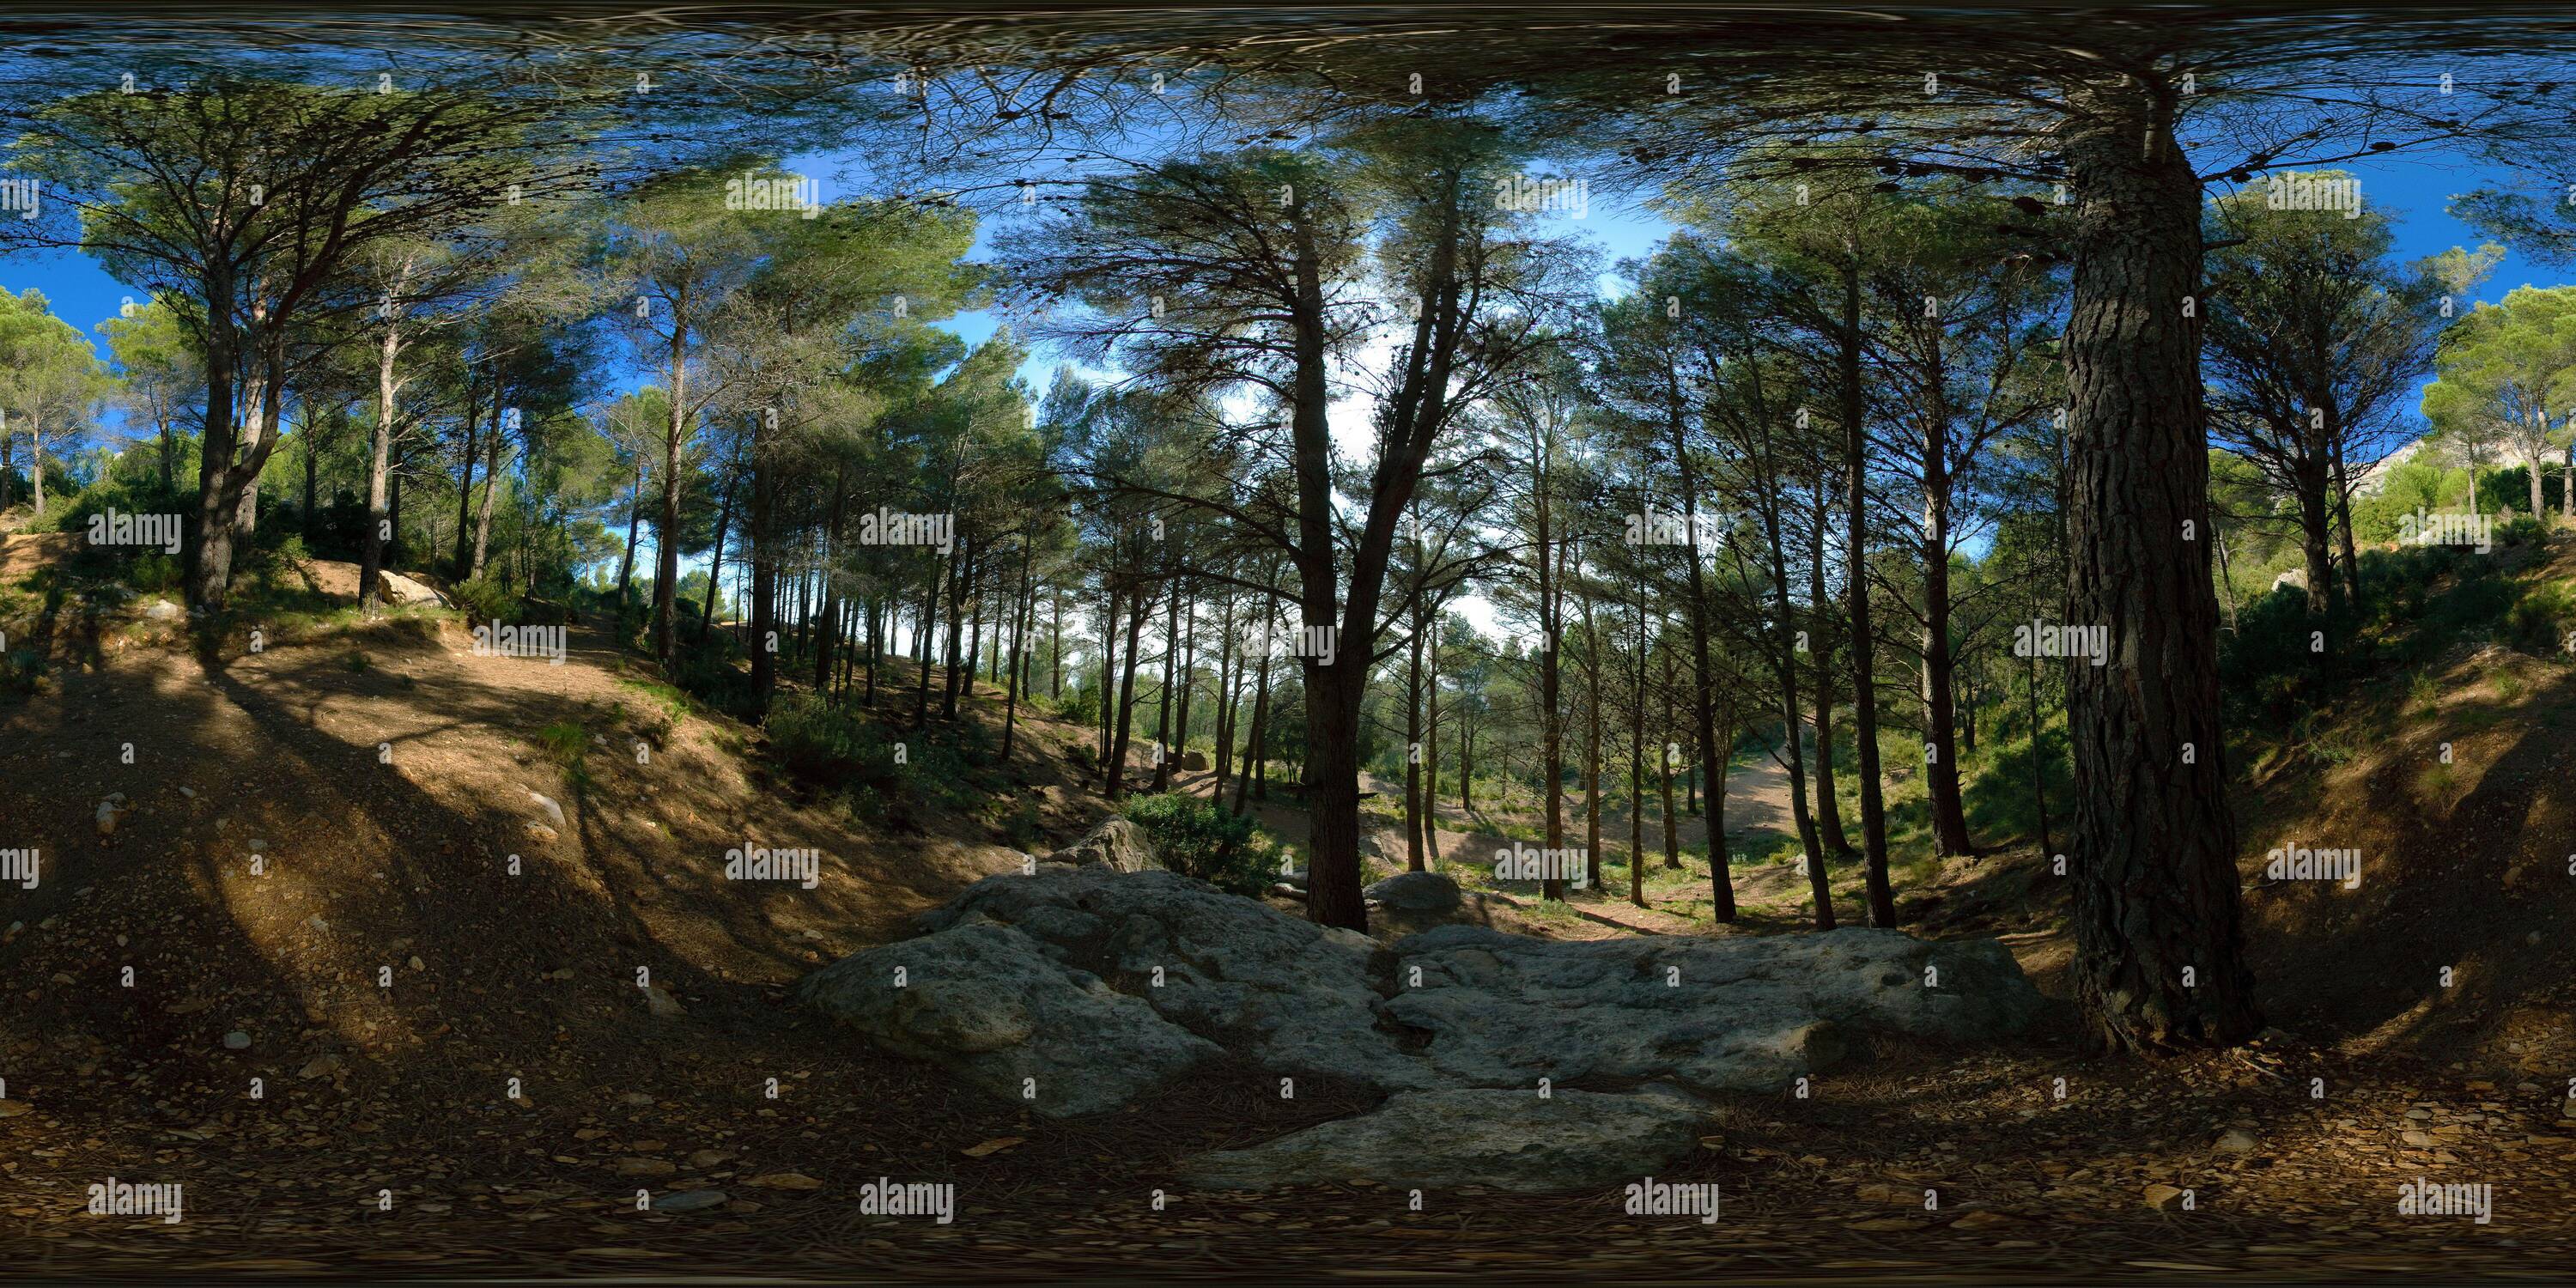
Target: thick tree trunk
[(2316, 534), (2343, 507), (2160, 951), (1940, 731)]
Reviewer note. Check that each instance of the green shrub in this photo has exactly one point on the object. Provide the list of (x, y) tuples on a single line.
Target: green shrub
[(825, 745), (1201, 839), (486, 600), (2543, 621)]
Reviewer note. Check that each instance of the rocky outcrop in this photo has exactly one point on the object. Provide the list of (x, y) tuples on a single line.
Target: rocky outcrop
[(1080, 989)]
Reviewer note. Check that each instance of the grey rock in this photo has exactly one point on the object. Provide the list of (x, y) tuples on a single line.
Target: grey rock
[(237, 1041), (554, 812), (662, 1004), (1293, 996), (1507, 1140), (691, 1201), (2237, 1140), (1106, 984), (1116, 842), (1743, 1013), (162, 610), (985, 1002), (1416, 892)]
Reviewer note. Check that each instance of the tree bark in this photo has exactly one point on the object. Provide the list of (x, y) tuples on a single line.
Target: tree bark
[(1721, 881), (2160, 950), (1864, 640)]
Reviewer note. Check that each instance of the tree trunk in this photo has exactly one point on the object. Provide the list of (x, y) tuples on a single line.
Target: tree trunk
[(491, 477), (2160, 951), (465, 480), (1829, 806), (1940, 733), (1664, 772), (2343, 505), (763, 545), (1024, 608), (1721, 881), (715, 560), (1431, 746), (1140, 604), (1413, 738), (1164, 753), (666, 558), (1864, 640), (380, 447), (1591, 748), (1253, 749)]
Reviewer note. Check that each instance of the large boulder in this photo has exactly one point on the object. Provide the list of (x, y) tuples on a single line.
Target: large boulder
[(1116, 842), (1745, 1013), (983, 1001), (1426, 892), (1409, 903), (1507, 1140), (1104, 985)]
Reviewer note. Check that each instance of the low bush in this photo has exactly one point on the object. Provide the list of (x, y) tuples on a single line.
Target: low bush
[(1202, 839)]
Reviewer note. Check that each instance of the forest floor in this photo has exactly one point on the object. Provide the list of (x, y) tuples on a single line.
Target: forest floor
[(383, 776)]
